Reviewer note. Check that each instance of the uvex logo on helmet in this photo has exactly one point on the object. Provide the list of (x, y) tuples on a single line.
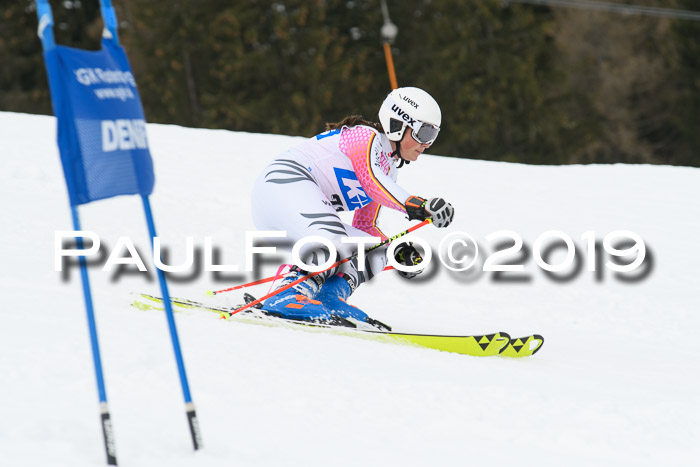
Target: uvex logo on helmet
[(407, 118), (408, 99)]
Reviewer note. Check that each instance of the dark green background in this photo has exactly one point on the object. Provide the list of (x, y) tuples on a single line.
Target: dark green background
[(516, 83)]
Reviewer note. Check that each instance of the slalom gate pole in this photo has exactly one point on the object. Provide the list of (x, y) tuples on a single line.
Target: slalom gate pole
[(337, 263), (189, 405), (91, 170), (105, 420)]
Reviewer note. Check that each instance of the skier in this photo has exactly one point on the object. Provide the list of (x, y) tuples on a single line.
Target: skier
[(351, 166)]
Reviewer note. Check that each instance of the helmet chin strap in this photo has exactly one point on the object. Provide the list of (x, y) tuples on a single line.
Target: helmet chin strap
[(398, 153)]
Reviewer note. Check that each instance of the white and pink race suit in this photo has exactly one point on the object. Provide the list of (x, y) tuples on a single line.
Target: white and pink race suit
[(350, 169)]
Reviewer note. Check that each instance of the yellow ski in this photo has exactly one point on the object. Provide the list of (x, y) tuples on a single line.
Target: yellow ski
[(485, 345)]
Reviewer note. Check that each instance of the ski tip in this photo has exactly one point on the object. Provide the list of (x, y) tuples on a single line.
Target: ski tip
[(523, 346), (539, 338), (210, 293)]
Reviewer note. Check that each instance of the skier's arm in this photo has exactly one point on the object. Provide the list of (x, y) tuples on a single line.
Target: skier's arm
[(365, 219), (363, 148)]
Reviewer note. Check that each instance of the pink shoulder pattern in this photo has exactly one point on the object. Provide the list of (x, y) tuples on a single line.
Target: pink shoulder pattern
[(356, 143)]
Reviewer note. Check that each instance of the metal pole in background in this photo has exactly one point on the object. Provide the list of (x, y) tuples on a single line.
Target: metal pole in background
[(389, 32)]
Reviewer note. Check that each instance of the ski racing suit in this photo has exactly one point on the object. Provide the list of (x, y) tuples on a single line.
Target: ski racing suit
[(348, 169)]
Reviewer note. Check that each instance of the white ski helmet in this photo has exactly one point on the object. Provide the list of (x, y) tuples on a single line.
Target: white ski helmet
[(413, 107)]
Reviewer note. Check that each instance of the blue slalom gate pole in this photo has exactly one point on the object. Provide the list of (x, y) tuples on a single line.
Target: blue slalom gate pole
[(107, 432), (102, 142), (189, 405), (45, 31)]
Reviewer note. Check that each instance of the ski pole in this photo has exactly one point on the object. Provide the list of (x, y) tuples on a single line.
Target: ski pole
[(211, 293), (242, 286), (337, 263)]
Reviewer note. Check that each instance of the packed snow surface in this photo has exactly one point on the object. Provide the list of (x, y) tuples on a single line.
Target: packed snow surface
[(616, 382)]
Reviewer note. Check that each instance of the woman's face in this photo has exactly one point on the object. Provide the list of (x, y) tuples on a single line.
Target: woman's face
[(410, 148)]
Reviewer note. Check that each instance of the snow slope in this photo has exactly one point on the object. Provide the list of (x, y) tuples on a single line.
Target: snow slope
[(615, 383)]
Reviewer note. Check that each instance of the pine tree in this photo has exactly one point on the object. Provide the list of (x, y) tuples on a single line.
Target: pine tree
[(23, 81)]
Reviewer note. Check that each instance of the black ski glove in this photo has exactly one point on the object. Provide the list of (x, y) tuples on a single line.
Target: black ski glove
[(438, 209), (407, 255)]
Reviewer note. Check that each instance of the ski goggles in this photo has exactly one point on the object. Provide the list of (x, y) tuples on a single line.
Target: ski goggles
[(426, 133)]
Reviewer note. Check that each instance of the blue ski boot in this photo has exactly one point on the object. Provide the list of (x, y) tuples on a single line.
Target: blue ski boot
[(334, 294), (298, 302)]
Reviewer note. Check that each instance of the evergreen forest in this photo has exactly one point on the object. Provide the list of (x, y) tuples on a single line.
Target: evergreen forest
[(516, 82)]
